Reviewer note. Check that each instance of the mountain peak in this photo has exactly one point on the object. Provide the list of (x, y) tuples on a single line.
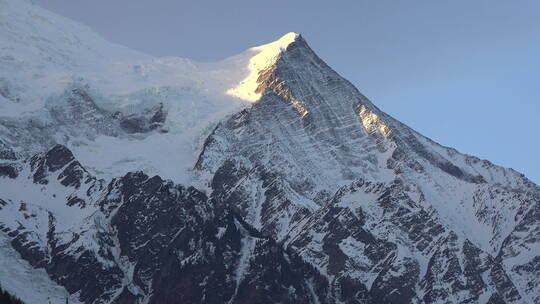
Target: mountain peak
[(265, 55), (281, 44)]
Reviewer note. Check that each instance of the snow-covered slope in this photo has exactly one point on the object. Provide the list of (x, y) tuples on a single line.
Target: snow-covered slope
[(287, 160), (27, 283), (285, 184), (45, 57)]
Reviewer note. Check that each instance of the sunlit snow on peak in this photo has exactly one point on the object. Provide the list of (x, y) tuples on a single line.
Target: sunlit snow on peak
[(266, 55)]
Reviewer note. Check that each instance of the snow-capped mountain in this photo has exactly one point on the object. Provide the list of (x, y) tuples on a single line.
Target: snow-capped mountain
[(264, 178)]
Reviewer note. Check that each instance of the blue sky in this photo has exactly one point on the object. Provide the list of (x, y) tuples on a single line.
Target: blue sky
[(464, 73)]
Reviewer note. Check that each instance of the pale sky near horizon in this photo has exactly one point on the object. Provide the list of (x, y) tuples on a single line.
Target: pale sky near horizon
[(464, 73)]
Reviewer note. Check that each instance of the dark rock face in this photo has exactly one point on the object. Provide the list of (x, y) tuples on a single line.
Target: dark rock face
[(59, 158), (158, 242), (145, 122), (8, 171), (185, 253), (6, 153)]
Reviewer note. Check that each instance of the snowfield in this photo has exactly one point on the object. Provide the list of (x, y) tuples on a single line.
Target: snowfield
[(44, 55)]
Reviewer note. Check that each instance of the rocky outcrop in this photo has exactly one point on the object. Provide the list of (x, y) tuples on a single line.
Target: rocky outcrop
[(150, 241)]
